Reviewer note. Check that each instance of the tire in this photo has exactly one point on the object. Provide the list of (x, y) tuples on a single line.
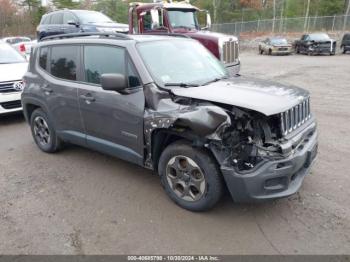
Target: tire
[(297, 50), (270, 52), (343, 49), (204, 182), (261, 52), (43, 132)]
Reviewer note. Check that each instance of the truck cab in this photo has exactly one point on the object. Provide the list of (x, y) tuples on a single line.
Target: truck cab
[(182, 18)]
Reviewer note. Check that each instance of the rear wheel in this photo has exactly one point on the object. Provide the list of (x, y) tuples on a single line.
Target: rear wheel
[(43, 132), (343, 49), (261, 51), (190, 176), (270, 52)]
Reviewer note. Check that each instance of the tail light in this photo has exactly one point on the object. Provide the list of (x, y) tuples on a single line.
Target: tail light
[(22, 48)]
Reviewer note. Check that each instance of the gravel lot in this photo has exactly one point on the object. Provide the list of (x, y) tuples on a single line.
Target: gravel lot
[(83, 202)]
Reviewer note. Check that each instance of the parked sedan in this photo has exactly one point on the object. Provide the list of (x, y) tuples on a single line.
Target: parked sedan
[(275, 46), (318, 43), (345, 43), (12, 68)]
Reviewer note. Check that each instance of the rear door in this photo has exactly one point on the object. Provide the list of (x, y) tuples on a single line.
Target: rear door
[(113, 121), (58, 66)]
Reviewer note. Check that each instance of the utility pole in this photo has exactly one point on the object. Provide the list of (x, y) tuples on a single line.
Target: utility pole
[(307, 14)]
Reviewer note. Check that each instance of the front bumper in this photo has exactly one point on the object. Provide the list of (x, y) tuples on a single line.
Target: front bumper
[(321, 50), (10, 102), (274, 179)]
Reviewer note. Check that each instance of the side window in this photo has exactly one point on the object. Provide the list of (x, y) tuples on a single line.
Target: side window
[(64, 60), (57, 18), (133, 78), (68, 17), (147, 21), (43, 55), (100, 60)]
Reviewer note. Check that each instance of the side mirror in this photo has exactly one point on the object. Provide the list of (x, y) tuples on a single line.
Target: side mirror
[(155, 19), (72, 22), (113, 82), (204, 19)]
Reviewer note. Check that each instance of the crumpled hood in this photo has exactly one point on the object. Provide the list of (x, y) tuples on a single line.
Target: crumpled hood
[(11, 72), (266, 97)]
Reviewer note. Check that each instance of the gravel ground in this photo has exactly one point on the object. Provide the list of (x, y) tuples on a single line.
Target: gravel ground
[(82, 202)]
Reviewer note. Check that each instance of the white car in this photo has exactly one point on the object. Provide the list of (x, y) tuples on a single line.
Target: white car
[(12, 68), (24, 48)]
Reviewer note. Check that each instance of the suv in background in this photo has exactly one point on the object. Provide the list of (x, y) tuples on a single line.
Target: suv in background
[(12, 68), (73, 21), (345, 43), (133, 97)]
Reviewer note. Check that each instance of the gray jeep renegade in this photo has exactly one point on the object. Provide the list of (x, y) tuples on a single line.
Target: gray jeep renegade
[(166, 103)]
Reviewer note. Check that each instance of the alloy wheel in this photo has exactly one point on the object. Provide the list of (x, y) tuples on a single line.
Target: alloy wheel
[(41, 131), (185, 178)]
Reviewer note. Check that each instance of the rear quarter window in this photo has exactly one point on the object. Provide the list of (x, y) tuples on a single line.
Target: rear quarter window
[(43, 57), (64, 62), (57, 18)]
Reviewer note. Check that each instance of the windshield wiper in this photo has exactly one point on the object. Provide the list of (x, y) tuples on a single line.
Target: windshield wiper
[(214, 80), (181, 84), (184, 27)]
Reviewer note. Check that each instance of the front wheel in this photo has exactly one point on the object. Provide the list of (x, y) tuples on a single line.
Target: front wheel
[(343, 49), (190, 176)]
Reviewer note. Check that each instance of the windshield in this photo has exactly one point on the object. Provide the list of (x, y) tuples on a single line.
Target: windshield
[(279, 41), (90, 17), (182, 19), (180, 61), (8, 55), (319, 37)]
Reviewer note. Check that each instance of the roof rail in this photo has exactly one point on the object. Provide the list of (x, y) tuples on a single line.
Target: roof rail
[(101, 34), (167, 34)]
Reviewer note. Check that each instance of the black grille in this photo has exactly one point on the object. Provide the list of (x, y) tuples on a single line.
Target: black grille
[(295, 117), (7, 87), (12, 104)]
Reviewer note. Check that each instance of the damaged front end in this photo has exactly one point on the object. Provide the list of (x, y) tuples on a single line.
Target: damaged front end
[(257, 158)]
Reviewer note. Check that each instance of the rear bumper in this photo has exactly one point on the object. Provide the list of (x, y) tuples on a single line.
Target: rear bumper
[(10, 103), (273, 179)]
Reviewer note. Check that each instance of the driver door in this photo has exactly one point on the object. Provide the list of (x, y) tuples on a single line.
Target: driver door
[(113, 121)]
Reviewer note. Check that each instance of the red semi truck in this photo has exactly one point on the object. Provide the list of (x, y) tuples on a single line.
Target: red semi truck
[(168, 17)]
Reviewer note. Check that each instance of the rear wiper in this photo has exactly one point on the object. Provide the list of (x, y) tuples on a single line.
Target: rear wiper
[(181, 84), (214, 80)]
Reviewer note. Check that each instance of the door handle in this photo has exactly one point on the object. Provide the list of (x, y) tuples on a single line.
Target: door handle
[(88, 98)]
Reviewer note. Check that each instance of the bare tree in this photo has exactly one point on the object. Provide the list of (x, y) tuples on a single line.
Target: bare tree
[(274, 16), (307, 15), (347, 13), (216, 4)]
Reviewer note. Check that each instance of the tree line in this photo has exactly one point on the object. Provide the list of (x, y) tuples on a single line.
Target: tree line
[(222, 11)]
